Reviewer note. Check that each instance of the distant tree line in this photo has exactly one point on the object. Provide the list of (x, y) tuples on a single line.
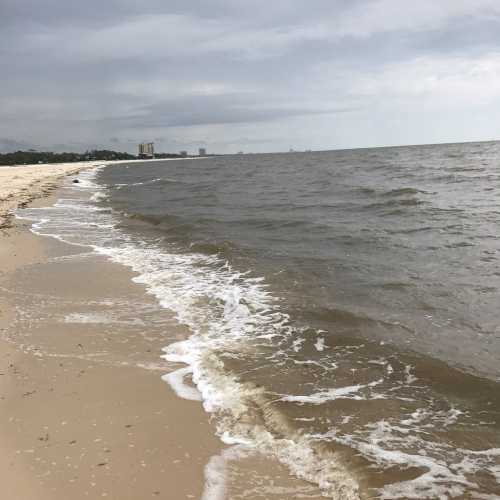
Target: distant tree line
[(30, 157)]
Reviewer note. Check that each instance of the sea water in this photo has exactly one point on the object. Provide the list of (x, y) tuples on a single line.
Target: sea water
[(343, 306)]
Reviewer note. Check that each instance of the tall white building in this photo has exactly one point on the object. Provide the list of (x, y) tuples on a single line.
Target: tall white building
[(146, 150)]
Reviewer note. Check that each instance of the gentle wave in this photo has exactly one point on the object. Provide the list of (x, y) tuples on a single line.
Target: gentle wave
[(159, 180), (403, 192)]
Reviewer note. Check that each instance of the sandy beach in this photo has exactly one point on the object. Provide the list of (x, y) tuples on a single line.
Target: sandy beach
[(22, 184), (85, 413)]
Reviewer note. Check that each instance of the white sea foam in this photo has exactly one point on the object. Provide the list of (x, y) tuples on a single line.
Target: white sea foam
[(99, 196), (298, 343), (151, 181), (156, 367), (215, 479), (176, 380), (410, 378), (349, 392), (101, 318), (312, 362), (94, 318), (320, 344), (402, 444), (216, 472)]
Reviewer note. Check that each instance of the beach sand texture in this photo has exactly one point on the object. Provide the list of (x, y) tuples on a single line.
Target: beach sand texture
[(19, 185), (84, 412)]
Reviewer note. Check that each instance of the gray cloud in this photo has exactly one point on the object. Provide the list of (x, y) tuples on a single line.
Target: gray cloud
[(9, 145), (186, 111), (331, 74)]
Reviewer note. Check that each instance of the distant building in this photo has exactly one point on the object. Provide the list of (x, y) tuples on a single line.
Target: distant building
[(184, 153), (202, 152), (147, 150)]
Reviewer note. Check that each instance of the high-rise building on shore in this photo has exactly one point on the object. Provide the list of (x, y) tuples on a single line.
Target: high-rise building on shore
[(184, 153), (202, 152), (146, 150)]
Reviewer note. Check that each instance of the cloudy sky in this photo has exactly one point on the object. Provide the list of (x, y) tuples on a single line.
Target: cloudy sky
[(251, 75)]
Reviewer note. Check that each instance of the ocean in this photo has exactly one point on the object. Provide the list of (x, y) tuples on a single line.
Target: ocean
[(342, 306)]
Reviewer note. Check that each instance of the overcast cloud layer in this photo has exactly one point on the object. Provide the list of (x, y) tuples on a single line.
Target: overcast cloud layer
[(248, 75)]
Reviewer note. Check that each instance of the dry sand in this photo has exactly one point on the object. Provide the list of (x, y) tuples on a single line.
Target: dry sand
[(20, 185)]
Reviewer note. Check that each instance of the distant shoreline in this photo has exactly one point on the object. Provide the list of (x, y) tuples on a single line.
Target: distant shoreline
[(31, 157), (21, 184)]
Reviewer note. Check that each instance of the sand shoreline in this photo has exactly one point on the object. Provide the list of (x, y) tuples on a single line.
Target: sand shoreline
[(21, 184), (84, 412)]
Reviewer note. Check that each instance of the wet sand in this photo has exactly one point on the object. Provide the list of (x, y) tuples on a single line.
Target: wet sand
[(84, 412)]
